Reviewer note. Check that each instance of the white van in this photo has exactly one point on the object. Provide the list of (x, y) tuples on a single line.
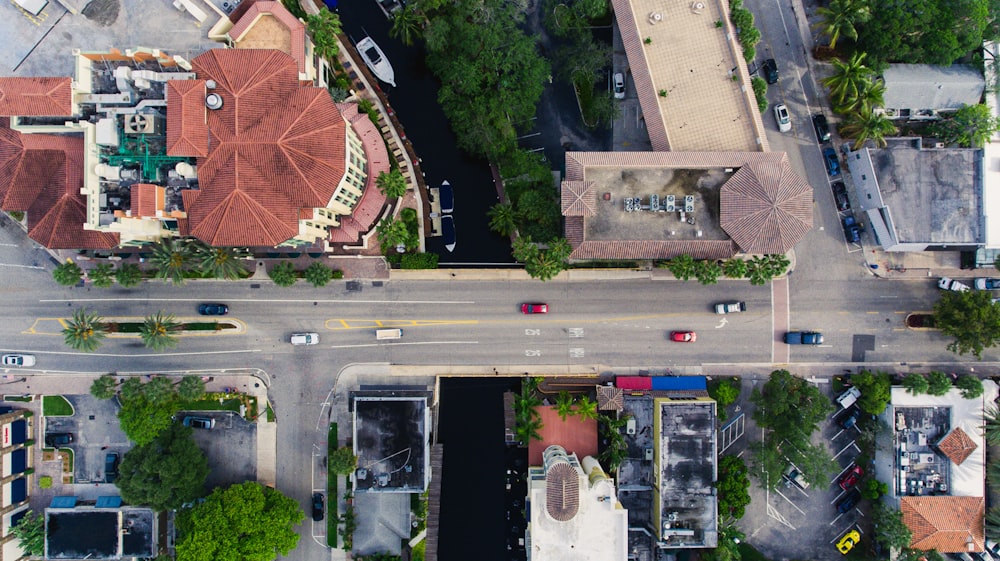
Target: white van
[(849, 397), (381, 334), (305, 338)]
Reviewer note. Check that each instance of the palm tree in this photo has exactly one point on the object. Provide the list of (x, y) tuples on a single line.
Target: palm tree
[(527, 428), (993, 474), (993, 523), (585, 408), (991, 429), (392, 184), (85, 331), (171, 257), (863, 127), (564, 404), (102, 276), (503, 220), (848, 79), (190, 388), (157, 331), (219, 262), (872, 95), (841, 18), (128, 275), (407, 24)]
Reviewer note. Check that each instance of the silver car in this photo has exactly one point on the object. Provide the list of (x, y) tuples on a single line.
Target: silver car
[(781, 117)]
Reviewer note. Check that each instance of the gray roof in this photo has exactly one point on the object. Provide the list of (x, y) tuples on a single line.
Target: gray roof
[(924, 86)]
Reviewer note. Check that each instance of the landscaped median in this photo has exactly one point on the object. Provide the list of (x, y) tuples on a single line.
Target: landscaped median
[(131, 327)]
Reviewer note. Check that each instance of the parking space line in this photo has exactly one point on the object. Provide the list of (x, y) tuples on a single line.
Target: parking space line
[(790, 502), (844, 449), (773, 513)]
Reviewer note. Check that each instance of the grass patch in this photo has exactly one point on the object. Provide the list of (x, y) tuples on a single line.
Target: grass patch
[(18, 397), (332, 492), (270, 413), (417, 554), (56, 406), (750, 553), (231, 404)]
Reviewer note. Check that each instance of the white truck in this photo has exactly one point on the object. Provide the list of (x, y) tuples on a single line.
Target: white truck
[(946, 283), (383, 334), (849, 397)]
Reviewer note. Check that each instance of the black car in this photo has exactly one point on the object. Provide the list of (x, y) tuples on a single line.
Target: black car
[(213, 309), (770, 71), (852, 230), (317, 506), (847, 503), (840, 196), (111, 467), (822, 129), (58, 438)]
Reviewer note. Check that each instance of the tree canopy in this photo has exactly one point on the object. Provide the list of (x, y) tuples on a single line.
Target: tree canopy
[(244, 522), (733, 486), (890, 530), (30, 533), (876, 391), (971, 318), (165, 473)]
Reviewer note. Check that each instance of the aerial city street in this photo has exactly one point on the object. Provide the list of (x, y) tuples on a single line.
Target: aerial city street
[(545, 280)]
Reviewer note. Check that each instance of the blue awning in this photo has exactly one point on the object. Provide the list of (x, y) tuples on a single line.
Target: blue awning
[(111, 501), (63, 502), (18, 431), (679, 383), (18, 490)]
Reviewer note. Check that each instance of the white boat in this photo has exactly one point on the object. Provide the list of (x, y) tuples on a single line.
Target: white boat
[(376, 61)]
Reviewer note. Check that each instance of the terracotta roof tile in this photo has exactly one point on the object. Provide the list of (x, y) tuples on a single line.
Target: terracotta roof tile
[(766, 207), (244, 21), (187, 128), (957, 446), (947, 524), (36, 97), (562, 492), (610, 398), (579, 198), (147, 199)]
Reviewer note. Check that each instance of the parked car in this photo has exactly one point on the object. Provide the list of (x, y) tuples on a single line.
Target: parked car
[(536, 308), (852, 230), (683, 336), (822, 129), (851, 478), (18, 360), (111, 467), (58, 438), (847, 543), (849, 397), (304, 339), (945, 283), (840, 196), (831, 161), (317, 507), (198, 422), (619, 85), (986, 284), (782, 118), (803, 338), (730, 307), (213, 309), (848, 501), (850, 419), (793, 475), (770, 71)]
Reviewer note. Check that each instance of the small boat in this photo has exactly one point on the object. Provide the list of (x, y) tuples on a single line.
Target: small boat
[(376, 61), (446, 197), (448, 232)]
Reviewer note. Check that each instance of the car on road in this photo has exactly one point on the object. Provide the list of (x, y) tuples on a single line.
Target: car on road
[(987, 284), (803, 338), (781, 117), (730, 307), (683, 336), (852, 230), (945, 283), (213, 309), (198, 422), (822, 128), (770, 71), (304, 339), (851, 478), (111, 467), (848, 542), (534, 308), (18, 360), (848, 501), (58, 438), (831, 161), (840, 196), (619, 84), (317, 507)]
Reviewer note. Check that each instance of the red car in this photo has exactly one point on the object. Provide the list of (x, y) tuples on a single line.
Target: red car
[(683, 336), (850, 479), (536, 308)]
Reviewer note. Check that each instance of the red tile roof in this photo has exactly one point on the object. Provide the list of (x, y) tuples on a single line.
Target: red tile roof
[(187, 127), (579, 198), (562, 492), (244, 20), (36, 97), (947, 524), (957, 446), (146, 199), (275, 147), (766, 207), (367, 210)]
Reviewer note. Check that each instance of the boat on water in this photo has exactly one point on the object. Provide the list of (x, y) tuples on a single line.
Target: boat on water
[(446, 197), (376, 62), (448, 232)]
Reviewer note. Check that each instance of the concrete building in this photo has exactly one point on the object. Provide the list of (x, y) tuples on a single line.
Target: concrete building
[(16, 483), (392, 443), (574, 513), (922, 91), (104, 530)]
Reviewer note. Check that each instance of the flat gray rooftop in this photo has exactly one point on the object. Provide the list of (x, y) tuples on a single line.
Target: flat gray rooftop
[(390, 440), (934, 195)]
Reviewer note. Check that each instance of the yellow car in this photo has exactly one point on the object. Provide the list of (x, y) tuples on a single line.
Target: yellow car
[(848, 542)]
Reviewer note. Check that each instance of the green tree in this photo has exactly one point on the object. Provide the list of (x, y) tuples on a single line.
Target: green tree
[(724, 391), (733, 487), (243, 522), (814, 461), (586, 408), (68, 273), (971, 318), (128, 275), (735, 268), (871, 95), (848, 79), (165, 473), (103, 387), (760, 92), (502, 219), (993, 522), (343, 461), (729, 545), (873, 489), (890, 530), (683, 267), (840, 18), (970, 127), (707, 271), (391, 233), (938, 383), (915, 383), (865, 126), (527, 429), (190, 388), (318, 274), (564, 404), (158, 331), (789, 406), (876, 391), (991, 427), (923, 31), (971, 386), (219, 262), (324, 28), (283, 274), (172, 258), (581, 58), (407, 24), (102, 276), (391, 183), (30, 533), (86, 331), (141, 418)]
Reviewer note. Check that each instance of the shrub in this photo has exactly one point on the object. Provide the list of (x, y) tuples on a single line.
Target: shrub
[(318, 274), (45, 482), (419, 261), (760, 92), (283, 274)]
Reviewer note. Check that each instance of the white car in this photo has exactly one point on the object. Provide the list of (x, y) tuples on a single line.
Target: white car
[(18, 360), (304, 338), (782, 118), (619, 83)]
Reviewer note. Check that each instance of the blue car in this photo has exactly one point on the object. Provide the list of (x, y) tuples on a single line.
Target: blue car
[(213, 309), (852, 230), (832, 163)]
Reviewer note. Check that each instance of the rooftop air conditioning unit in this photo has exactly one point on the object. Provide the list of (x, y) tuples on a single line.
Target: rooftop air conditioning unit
[(139, 124)]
